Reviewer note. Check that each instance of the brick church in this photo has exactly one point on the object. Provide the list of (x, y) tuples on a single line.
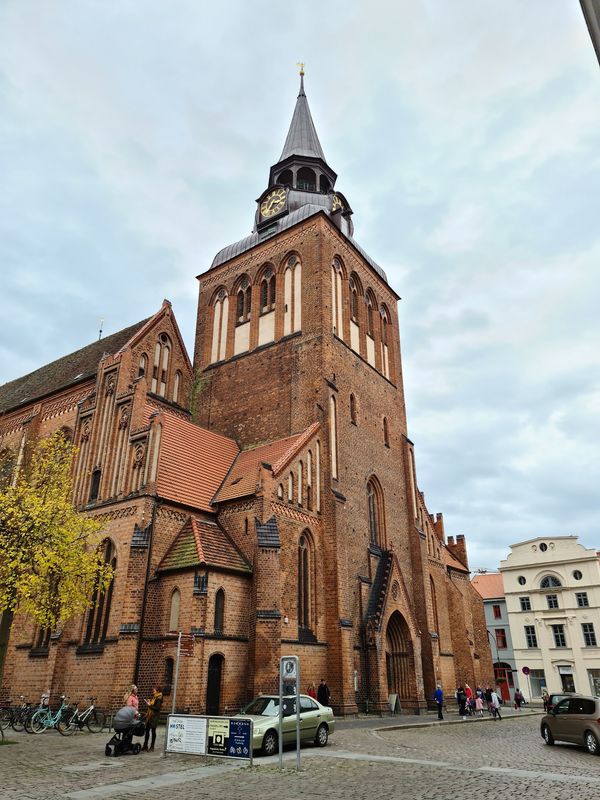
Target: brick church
[(263, 500)]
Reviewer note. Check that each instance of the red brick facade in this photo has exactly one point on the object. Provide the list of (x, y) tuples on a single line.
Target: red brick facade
[(317, 543)]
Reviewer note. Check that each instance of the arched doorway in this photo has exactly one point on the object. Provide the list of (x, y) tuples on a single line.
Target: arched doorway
[(213, 686), (398, 657)]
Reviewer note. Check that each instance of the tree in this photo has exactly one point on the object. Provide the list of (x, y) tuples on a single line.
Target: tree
[(49, 560)]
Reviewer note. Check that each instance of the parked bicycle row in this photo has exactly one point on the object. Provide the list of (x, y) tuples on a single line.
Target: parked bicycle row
[(66, 718)]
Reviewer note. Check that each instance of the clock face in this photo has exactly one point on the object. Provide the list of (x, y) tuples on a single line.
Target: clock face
[(337, 203), (273, 203)]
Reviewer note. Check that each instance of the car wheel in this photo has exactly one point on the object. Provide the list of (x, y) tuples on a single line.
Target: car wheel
[(591, 743), (270, 744), (322, 735), (547, 734)]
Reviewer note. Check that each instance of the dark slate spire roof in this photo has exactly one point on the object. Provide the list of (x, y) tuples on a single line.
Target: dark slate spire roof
[(302, 139)]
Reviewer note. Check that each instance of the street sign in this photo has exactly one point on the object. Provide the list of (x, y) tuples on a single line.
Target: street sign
[(526, 670), (289, 696), (289, 669)]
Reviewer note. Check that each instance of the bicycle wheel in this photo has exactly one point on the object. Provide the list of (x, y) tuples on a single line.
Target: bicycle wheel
[(67, 724), (95, 721), (18, 721), (37, 723), (5, 718)]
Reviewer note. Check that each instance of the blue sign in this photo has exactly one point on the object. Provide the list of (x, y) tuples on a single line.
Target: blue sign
[(239, 744)]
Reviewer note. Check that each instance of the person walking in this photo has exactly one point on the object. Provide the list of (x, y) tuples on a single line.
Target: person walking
[(488, 699), (479, 705), (153, 707), (323, 693), (518, 699), (130, 698), (461, 699), (438, 696), (496, 705), (545, 698), (311, 692)]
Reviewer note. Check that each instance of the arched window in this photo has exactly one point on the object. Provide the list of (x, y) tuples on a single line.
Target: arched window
[(375, 509), (174, 611), (300, 482), (353, 409), (99, 613), (305, 582), (386, 432), (290, 487), (280, 492), (549, 582), (285, 178), (336, 298), (371, 304), (95, 485), (219, 332), (143, 365), (333, 436), (160, 370), (292, 296), (168, 678), (267, 292), (176, 385), (219, 612), (306, 179), (41, 639), (244, 301), (436, 623), (385, 357), (324, 185), (318, 475), (353, 300)]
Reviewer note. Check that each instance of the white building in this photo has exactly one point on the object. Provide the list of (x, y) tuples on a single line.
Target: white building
[(552, 590)]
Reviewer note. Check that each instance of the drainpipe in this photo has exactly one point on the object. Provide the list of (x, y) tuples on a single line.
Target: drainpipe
[(138, 655)]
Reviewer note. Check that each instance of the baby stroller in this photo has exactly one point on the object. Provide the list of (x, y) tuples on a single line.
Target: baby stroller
[(122, 741)]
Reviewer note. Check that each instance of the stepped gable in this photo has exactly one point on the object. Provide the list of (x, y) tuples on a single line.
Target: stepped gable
[(202, 543), (192, 463), (66, 371), (242, 480)]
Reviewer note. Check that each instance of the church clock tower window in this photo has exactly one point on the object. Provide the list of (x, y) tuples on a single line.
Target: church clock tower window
[(292, 290), (336, 299)]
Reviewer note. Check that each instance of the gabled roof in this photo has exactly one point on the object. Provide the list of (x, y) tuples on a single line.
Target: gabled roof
[(203, 543), (192, 462), (242, 480), (451, 561), (489, 585), (302, 139), (71, 369)]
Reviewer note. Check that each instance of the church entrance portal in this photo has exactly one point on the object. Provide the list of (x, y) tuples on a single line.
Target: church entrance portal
[(398, 657), (213, 687)]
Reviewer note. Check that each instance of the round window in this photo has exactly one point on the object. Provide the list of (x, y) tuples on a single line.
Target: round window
[(543, 547), (577, 575), (522, 580)]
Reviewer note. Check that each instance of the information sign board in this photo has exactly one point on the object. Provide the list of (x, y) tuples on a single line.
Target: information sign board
[(218, 736), (186, 734), (239, 744)]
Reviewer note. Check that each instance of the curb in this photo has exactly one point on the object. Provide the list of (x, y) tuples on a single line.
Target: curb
[(453, 722)]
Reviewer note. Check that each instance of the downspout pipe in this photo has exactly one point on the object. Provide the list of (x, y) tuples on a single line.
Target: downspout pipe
[(138, 655)]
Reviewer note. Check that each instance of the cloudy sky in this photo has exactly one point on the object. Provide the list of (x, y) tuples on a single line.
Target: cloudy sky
[(136, 134)]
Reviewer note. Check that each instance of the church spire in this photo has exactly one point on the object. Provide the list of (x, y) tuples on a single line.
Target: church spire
[(302, 139)]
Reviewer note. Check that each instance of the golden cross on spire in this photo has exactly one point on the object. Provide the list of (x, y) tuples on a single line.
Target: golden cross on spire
[(301, 65)]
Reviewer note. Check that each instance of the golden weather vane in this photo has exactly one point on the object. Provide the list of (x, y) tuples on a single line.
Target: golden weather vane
[(301, 65)]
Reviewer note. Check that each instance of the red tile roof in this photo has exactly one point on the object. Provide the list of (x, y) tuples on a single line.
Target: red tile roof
[(201, 542), (192, 463), (451, 561), (489, 585), (243, 478)]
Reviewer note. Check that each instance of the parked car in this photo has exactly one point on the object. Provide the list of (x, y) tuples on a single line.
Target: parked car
[(316, 721), (575, 719), (556, 697)]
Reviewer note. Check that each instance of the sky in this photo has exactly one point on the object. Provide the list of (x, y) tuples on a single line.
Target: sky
[(135, 136)]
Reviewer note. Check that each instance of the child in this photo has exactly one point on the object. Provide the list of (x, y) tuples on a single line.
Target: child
[(479, 705)]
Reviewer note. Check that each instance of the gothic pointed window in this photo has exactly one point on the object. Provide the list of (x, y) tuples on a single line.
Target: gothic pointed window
[(244, 301), (220, 323), (385, 328), (95, 485), (375, 512), (290, 487), (267, 292), (219, 612), (353, 300), (300, 482), (160, 368), (434, 608), (386, 432), (337, 314), (143, 365), (305, 581), (99, 614), (309, 468), (353, 409), (176, 386), (292, 296), (333, 436)]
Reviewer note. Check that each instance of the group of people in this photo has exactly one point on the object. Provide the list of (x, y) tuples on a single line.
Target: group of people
[(127, 716), (472, 703), (322, 694)]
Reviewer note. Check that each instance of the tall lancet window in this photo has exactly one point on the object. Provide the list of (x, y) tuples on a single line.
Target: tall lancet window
[(385, 332), (333, 436), (292, 291), (336, 299), (219, 331)]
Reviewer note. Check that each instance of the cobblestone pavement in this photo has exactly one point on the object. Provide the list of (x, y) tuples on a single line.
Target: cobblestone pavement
[(481, 759)]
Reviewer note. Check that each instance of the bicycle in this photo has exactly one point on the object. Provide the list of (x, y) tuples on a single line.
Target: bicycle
[(15, 716), (72, 719), (43, 719)]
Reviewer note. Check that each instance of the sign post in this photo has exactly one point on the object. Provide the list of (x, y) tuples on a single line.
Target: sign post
[(289, 691), (176, 673), (526, 672)]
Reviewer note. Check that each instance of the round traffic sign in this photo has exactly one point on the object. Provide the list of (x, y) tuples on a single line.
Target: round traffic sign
[(526, 670)]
